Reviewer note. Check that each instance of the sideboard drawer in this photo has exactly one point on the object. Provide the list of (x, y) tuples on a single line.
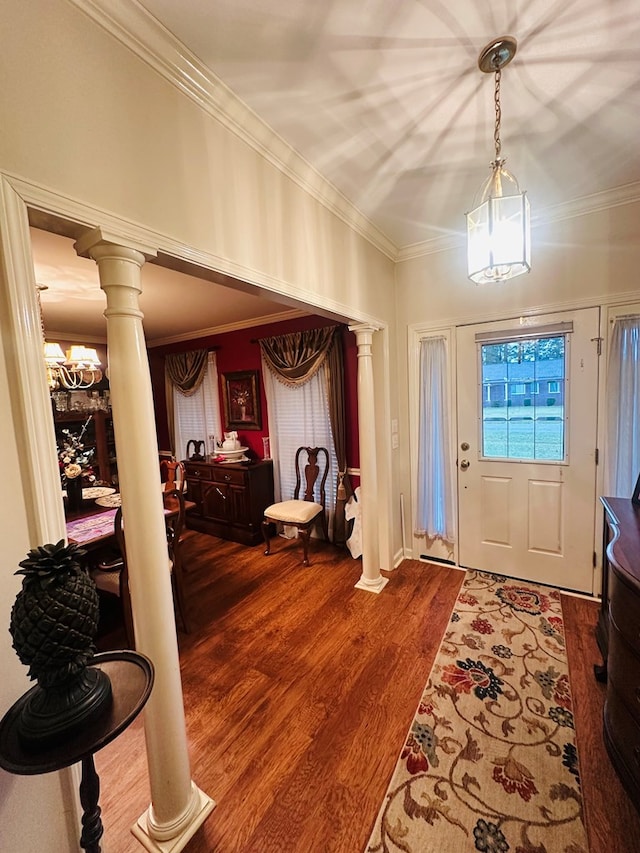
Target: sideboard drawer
[(624, 610), (229, 475), (201, 472), (624, 672), (622, 738)]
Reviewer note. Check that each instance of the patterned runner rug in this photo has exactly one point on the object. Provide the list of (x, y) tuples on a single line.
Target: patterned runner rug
[(490, 761)]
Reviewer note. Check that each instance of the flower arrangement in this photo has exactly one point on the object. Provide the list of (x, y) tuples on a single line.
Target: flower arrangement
[(74, 459), (241, 397)]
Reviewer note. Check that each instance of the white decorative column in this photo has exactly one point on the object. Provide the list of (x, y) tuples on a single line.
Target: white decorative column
[(371, 579), (178, 808)]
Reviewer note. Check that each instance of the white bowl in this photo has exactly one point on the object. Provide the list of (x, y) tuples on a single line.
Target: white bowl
[(231, 455)]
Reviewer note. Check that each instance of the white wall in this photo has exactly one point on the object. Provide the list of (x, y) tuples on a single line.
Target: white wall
[(93, 132), (584, 260)]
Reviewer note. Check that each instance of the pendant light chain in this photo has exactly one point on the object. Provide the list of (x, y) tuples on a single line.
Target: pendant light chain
[(496, 134)]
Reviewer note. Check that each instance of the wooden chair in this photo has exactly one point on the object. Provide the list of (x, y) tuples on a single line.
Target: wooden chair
[(312, 464), (112, 575), (172, 475)]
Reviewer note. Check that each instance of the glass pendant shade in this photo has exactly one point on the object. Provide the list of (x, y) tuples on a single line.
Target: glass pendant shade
[(499, 230)]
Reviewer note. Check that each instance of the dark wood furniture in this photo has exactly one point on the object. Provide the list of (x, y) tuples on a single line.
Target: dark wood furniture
[(308, 511), (131, 676), (99, 435), (618, 635), (230, 498)]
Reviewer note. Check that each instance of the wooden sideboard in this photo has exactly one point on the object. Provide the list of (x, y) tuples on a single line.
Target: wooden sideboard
[(618, 635), (230, 498)]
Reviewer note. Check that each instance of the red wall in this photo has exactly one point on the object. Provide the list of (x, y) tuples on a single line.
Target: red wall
[(239, 351)]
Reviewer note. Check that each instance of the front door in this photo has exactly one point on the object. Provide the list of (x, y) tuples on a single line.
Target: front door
[(527, 414)]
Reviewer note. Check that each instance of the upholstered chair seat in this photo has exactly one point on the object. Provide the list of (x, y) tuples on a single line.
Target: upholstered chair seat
[(293, 512)]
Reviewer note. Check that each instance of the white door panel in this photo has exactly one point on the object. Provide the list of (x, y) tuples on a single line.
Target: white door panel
[(529, 518)]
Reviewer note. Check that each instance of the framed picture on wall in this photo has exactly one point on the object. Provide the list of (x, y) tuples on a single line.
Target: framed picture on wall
[(241, 399), (635, 497)]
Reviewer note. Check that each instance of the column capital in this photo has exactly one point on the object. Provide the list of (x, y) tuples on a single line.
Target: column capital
[(100, 242), (364, 328)]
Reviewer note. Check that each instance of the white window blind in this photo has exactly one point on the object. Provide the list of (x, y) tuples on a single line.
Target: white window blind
[(198, 417), (299, 417)]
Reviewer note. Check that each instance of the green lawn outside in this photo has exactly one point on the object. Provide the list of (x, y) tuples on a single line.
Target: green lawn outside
[(523, 432)]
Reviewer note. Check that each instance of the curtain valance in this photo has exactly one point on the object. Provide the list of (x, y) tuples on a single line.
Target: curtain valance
[(295, 358), (186, 370)]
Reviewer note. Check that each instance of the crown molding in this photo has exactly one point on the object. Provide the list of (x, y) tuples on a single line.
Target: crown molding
[(605, 200), (228, 327), (131, 24)]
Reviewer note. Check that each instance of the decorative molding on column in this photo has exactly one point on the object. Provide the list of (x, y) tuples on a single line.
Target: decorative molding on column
[(371, 580), (102, 239), (173, 838), (362, 328)]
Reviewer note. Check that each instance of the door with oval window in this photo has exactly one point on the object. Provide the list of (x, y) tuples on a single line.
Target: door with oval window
[(527, 419)]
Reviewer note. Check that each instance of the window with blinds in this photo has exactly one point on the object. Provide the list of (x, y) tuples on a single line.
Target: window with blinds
[(198, 417), (299, 417)]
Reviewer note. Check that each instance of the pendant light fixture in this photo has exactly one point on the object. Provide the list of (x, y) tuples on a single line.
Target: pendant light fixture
[(498, 227)]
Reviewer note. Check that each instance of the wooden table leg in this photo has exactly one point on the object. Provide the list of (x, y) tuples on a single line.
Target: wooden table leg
[(92, 828)]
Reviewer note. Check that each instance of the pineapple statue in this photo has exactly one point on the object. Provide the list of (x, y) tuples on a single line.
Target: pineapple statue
[(54, 621)]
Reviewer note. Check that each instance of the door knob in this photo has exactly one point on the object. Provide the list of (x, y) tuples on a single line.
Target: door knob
[(464, 464), (464, 445)]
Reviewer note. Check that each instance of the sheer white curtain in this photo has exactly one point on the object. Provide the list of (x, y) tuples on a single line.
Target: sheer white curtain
[(435, 517), (197, 416), (298, 417), (623, 407)]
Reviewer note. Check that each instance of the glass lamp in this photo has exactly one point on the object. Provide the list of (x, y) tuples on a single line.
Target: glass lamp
[(498, 227)]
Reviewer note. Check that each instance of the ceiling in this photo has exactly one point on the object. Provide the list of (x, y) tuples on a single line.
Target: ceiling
[(384, 98), (176, 306)]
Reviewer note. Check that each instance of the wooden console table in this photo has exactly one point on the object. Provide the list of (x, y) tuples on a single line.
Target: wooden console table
[(230, 498), (618, 635), (131, 676)]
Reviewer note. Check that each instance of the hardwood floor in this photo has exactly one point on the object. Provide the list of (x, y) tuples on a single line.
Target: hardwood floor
[(299, 691)]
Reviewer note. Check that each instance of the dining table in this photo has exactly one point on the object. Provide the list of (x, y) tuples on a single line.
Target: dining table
[(95, 528)]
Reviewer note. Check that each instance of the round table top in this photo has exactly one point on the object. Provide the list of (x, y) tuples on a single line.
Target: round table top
[(131, 675)]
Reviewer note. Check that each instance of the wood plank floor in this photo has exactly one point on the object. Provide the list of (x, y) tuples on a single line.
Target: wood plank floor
[(299, 691)]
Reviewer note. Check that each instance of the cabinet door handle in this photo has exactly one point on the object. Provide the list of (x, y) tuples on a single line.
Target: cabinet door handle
[(222, 494)]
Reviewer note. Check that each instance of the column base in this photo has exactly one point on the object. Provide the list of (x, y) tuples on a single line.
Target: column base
[(202, 806), (376, 585)]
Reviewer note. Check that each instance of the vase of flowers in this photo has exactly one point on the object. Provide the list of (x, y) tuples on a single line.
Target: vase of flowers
[(75, 463)]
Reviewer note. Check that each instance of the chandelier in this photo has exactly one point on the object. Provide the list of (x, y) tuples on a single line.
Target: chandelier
[(77, 370), (498, 227)]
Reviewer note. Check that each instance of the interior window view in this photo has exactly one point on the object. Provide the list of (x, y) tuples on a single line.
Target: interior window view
[(321, 428)]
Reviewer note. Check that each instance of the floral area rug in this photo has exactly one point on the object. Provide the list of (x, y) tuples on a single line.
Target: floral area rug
[(490, 761)]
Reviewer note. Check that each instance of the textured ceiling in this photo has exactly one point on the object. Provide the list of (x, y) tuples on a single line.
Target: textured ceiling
[(385, 99)]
